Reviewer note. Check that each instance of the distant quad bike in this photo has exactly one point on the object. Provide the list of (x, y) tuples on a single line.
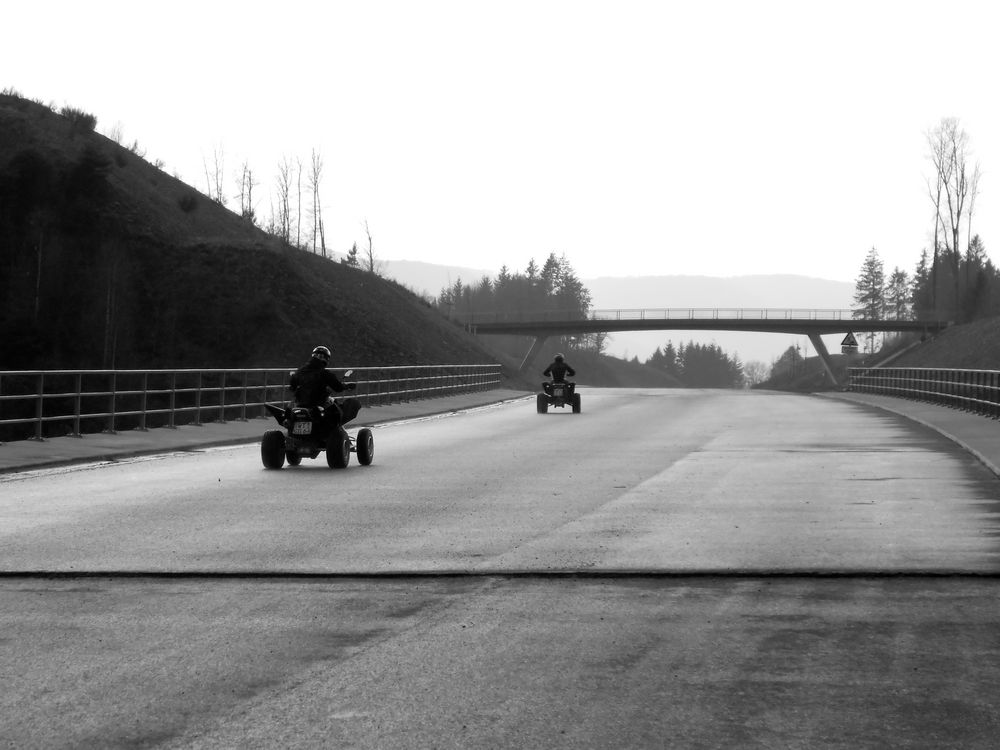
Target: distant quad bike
[(558, 394), (307, 434)]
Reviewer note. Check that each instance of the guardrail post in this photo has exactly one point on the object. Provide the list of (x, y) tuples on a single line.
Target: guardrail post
[(173, 400), (39, 409), (243, 411), (77, 406), (112, 403), (145, 402), (222, 397), (197, 401)]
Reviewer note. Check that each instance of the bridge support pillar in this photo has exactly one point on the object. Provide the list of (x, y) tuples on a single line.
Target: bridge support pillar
[(532, 354), (824, 355)]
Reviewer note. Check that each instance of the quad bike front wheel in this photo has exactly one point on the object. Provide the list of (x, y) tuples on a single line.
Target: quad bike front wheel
[(338, 450), (293, 458), (365, 447), (272, 449)]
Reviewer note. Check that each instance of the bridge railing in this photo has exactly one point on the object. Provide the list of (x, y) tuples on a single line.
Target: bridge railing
[(42, 403), (970, 390), (664, 313)]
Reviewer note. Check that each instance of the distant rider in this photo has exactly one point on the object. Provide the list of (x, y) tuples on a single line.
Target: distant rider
[(312, 384), (558, 371)]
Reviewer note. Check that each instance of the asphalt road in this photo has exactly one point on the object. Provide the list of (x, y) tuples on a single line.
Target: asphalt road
[(667, 569)]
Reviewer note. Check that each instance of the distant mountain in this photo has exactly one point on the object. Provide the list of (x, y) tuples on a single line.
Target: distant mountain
[(428, 279), (777, 291)]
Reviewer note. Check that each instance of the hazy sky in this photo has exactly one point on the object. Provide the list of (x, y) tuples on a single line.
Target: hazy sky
[(717, 138)]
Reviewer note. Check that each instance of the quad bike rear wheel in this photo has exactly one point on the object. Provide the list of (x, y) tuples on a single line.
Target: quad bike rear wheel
[(542, 403), (365, 446), (576, 403), (338, 450), (272, 449)]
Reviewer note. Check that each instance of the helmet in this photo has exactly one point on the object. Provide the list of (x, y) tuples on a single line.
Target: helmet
[(559, 358), (321, 353)]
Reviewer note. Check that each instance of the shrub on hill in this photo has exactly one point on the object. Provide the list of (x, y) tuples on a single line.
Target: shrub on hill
[(82, 122)]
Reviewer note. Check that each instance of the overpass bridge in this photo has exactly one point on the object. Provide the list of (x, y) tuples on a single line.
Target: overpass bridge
[(812, 323)]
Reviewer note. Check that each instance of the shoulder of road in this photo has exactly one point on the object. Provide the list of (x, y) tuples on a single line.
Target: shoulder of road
[(977, 434), (25, 455)]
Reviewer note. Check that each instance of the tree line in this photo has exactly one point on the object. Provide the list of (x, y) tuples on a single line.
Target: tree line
[(698, 365), (552, 287), (954, 278)]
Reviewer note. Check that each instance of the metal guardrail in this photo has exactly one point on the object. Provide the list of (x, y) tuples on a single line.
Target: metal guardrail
[(970, 390), (35, 404)]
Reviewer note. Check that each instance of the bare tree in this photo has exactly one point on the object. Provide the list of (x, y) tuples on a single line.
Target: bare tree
[(956, 184), (298, 213), (117, 133), (246, 185), (372, 265), (214, 175), (315, 180), (282, 222), (755, 372)]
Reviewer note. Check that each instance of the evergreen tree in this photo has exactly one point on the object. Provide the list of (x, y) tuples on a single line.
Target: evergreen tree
[(351, 259), (869, 289), (922, 292), (670, 360), (897, 295), (788, 364), (698, 365), (869, 293)]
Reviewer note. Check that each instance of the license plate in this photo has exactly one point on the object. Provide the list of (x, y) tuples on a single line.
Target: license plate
[(557, 391), (302, 428)]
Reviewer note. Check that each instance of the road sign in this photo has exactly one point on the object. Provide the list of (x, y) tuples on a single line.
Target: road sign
[(849, 340)]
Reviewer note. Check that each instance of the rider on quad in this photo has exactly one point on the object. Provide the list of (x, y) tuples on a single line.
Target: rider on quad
[(312, 384), (558, 371)]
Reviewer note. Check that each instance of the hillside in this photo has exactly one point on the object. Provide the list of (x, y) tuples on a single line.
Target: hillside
[(972, 346), (107, 261)]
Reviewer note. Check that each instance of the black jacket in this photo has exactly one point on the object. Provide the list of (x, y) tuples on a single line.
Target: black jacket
[(311, 384), (558, 371)]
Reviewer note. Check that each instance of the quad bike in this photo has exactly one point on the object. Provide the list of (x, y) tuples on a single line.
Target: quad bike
[(559, 394), (308, 433)]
